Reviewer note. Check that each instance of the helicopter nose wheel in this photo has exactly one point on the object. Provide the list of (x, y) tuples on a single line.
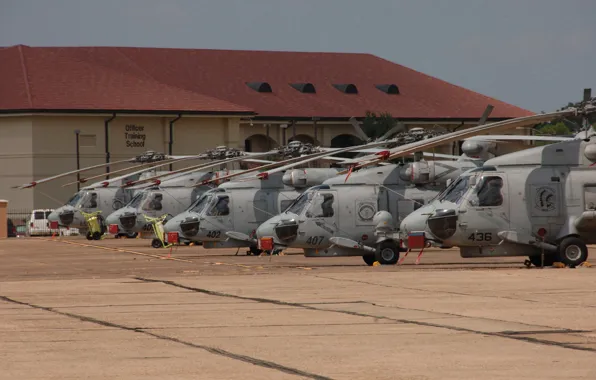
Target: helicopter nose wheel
[(387, 253), (572, 251)]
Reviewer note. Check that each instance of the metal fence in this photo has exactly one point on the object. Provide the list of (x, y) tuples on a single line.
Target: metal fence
[(26, 222)]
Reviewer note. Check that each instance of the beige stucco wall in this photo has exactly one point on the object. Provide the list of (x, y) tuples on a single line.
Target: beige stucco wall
[(16, 160), (53, 142)]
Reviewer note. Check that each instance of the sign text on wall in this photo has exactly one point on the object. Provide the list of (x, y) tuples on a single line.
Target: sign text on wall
[(134, 136)]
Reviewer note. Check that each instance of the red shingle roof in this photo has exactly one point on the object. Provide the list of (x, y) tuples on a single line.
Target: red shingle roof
[(145, 79)]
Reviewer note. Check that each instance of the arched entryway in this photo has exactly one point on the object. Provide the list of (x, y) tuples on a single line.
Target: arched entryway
[(345, 140), (259, 143)]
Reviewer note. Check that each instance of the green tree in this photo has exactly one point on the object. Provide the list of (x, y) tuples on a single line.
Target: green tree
[(375, 126)]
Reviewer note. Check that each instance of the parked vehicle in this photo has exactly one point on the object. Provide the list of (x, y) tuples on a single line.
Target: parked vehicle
[(39, 225)]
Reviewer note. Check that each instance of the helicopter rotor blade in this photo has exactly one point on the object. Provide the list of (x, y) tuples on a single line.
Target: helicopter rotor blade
[(61, 175), (147, 166), (461, 135), (358, 129), (487, 111), (204, 166)]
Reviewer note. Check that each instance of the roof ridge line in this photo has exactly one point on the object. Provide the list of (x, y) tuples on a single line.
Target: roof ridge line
[(25, 76)]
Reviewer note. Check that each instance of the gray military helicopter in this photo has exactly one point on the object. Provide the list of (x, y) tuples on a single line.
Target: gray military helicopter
[(364, 223), (268, 196), (327, 219), (104, 196), (539, 203), (172, 196), (110, 195), (229, 215)]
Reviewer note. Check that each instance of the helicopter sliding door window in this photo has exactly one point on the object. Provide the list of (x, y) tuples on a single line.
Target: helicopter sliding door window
[(489, 192), (221, 208), (322, 206), (590, 197)]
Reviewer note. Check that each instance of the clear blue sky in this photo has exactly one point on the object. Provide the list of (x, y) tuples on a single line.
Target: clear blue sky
[(538, 54)]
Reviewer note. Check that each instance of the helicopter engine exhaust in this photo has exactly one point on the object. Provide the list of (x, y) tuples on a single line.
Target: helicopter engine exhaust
[(419, 173), (483, 150)]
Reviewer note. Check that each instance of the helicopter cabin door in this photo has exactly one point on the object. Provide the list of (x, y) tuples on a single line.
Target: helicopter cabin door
[(485, 213)]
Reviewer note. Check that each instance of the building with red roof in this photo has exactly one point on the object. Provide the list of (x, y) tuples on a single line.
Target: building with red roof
[(189, 100)]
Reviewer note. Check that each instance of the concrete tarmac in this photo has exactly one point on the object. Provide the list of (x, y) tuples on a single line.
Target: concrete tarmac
[(119, 309)]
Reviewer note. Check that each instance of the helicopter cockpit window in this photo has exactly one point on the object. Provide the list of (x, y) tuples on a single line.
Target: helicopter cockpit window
[(75, 199), (418, 203), (590, 197), (321, 206), (136, 201), (300, 203), (488, 192), (88, 200), (221, 208), (200, 204), (153, 202), (456, 191), (285, 203)]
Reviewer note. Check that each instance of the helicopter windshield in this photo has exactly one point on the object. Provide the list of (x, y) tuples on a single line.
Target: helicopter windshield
[(87, 199), (456, 191), (136, 201), (300, 203), (74, 199), (199, 205)]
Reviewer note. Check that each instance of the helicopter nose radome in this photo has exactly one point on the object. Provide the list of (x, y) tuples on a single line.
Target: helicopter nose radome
[(113, 218), (54, 215), (443, 223), (265, 230)]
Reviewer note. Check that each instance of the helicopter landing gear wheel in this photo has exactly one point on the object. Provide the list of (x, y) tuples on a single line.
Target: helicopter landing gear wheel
[(96, 236), (572, 251), (387, 253), (536, 260), (89, 236), (156, 243), (369, 259)]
